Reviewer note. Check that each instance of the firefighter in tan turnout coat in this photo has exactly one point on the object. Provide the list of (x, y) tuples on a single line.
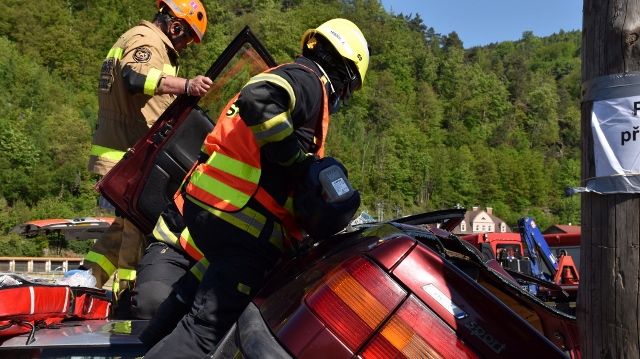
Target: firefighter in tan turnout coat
[(138, 81)]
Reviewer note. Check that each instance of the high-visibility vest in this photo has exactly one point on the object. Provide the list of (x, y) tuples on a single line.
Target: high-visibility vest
[(231, 174)]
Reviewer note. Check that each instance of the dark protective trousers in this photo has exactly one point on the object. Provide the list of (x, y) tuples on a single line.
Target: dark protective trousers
[(118, 248), (159, 270), (238, 263), (218, 304)]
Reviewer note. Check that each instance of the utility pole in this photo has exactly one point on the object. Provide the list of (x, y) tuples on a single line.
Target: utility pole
[(608, 308)]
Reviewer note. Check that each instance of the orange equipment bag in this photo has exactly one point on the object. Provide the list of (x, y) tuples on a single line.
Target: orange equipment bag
[(28, 306), (89, 303)]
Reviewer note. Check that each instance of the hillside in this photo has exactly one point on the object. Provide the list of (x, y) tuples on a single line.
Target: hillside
[(435, 124)]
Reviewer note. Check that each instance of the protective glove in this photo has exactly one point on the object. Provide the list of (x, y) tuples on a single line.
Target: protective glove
[(298, 168)]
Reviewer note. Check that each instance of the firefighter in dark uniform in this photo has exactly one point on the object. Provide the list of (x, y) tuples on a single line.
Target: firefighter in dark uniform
[(138, 81), (238, 205)]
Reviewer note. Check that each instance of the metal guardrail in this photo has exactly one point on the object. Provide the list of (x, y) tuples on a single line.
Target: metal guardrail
[(38, 265)]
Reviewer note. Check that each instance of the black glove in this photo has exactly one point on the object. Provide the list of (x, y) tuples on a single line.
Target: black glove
[(299, 167)]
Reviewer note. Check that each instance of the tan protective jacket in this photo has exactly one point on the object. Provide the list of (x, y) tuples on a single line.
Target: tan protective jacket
[(146, 56)]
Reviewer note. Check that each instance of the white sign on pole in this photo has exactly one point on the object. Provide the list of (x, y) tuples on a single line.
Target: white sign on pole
[(616, 136)]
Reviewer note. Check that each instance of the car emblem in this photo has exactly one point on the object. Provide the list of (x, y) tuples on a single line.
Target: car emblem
[(447, 303)]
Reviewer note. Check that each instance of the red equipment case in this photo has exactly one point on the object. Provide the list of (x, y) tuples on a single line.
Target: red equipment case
[(28, 306)]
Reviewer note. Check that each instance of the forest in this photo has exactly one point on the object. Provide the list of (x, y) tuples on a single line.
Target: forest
[(436, 125)]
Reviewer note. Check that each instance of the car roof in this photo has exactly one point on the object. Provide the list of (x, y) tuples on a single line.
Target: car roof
[(91, 338)]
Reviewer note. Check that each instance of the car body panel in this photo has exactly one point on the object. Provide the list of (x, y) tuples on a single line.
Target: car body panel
[(468, 308), (87, 338), (75, 228)]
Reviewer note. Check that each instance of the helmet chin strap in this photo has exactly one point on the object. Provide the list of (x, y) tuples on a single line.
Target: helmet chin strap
[(334, 97), (351, 81), (333, 91)]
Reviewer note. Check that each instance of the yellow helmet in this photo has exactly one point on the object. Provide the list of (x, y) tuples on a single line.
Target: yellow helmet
[(347, 39), (192, 12)]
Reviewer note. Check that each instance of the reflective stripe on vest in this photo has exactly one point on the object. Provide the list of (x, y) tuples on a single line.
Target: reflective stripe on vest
[(232, 181), (230, 176), (246, 219), (285, 215), (186, 242), (251, 222), (162, 233), (108, 153), (102, 261)]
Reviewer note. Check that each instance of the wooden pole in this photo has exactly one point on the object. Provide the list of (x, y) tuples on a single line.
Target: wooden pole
[(608, 300)]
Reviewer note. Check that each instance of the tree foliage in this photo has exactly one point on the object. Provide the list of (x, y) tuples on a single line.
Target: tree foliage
[(435, 125)]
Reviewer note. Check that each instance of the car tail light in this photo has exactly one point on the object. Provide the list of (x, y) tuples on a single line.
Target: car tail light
[(414, 331), (354, 299)]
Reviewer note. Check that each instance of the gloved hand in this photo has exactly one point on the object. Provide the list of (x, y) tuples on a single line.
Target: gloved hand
[(301, 164)]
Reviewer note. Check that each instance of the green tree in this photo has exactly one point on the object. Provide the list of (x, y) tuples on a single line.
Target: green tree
[(434, 125)]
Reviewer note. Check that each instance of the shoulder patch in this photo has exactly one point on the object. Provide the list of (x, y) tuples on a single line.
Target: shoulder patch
[(142, 54)]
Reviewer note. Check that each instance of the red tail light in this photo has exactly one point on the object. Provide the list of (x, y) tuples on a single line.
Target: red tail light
[(415, 331), (354, 300)]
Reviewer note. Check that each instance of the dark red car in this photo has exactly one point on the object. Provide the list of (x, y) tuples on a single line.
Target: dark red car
[(401, 289)]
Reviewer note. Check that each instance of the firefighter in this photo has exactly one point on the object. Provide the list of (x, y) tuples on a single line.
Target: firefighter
[(138, 81), (169, 268), (238, 205)]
